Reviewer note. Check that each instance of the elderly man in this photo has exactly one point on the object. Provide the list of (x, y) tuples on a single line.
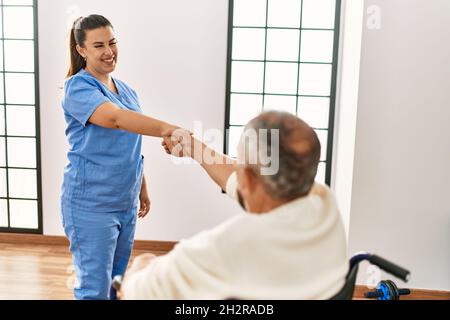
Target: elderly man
[(290, 243)]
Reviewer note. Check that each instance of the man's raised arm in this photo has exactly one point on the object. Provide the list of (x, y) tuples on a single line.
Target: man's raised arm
[(181, 143)]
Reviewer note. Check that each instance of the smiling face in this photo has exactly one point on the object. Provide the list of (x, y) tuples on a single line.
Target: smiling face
[(100, 50)]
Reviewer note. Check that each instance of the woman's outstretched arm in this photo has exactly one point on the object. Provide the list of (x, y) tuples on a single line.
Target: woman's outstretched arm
[(108, 115)]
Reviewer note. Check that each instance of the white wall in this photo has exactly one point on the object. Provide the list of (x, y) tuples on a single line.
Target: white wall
[(352, 14), (174, 54), (401, 194)]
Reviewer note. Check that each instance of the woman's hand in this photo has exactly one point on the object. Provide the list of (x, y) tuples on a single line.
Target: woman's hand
[(144, 200), (178, 142)]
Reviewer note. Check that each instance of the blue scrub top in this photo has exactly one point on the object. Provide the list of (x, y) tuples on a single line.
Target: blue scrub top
[(105, 168)]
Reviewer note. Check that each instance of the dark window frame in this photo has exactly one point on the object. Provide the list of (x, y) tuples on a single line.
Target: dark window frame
[(333, 92), (37, 136)]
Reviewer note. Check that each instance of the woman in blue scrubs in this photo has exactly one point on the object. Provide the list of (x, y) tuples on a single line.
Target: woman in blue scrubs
[(103, 180)]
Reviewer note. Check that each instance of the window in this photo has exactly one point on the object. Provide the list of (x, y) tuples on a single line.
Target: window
[(20, 191), (282, 55)]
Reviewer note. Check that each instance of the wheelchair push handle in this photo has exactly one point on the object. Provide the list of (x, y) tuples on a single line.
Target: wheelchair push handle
[(390, 267)]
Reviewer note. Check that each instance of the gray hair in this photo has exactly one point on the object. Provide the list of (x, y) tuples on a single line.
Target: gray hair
[(290, 142)]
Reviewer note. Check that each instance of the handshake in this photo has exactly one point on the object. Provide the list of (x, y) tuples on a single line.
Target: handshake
[(179, 142)]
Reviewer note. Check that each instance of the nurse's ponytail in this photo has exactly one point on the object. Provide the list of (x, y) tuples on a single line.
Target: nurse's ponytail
[(78, 36)]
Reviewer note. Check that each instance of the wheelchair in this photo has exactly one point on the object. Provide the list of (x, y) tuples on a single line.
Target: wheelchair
[(347, 291)]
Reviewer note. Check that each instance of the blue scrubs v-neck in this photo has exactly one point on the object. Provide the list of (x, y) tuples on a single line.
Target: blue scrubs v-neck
[(105, 168)]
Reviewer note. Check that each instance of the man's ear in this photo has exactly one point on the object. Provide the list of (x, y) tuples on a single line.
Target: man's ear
[(249, 179)]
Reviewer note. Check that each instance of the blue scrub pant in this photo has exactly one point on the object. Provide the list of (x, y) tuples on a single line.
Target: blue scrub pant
[(100, 244)]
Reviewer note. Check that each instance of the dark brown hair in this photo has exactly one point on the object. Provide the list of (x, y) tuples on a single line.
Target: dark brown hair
[(78, 36)]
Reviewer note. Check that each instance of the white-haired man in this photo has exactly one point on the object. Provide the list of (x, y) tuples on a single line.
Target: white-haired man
[(289, 244)]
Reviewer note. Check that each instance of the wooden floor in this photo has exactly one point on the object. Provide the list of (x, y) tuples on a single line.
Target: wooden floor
[(37, 272), (45, 272)]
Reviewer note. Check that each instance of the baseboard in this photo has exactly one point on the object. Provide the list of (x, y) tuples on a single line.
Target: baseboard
[(154, 246), (416, 294), (142, 245), (19, 238)]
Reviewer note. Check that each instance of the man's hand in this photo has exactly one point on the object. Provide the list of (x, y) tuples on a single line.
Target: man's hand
[(139, 263), (178, 142), (181, 143)]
